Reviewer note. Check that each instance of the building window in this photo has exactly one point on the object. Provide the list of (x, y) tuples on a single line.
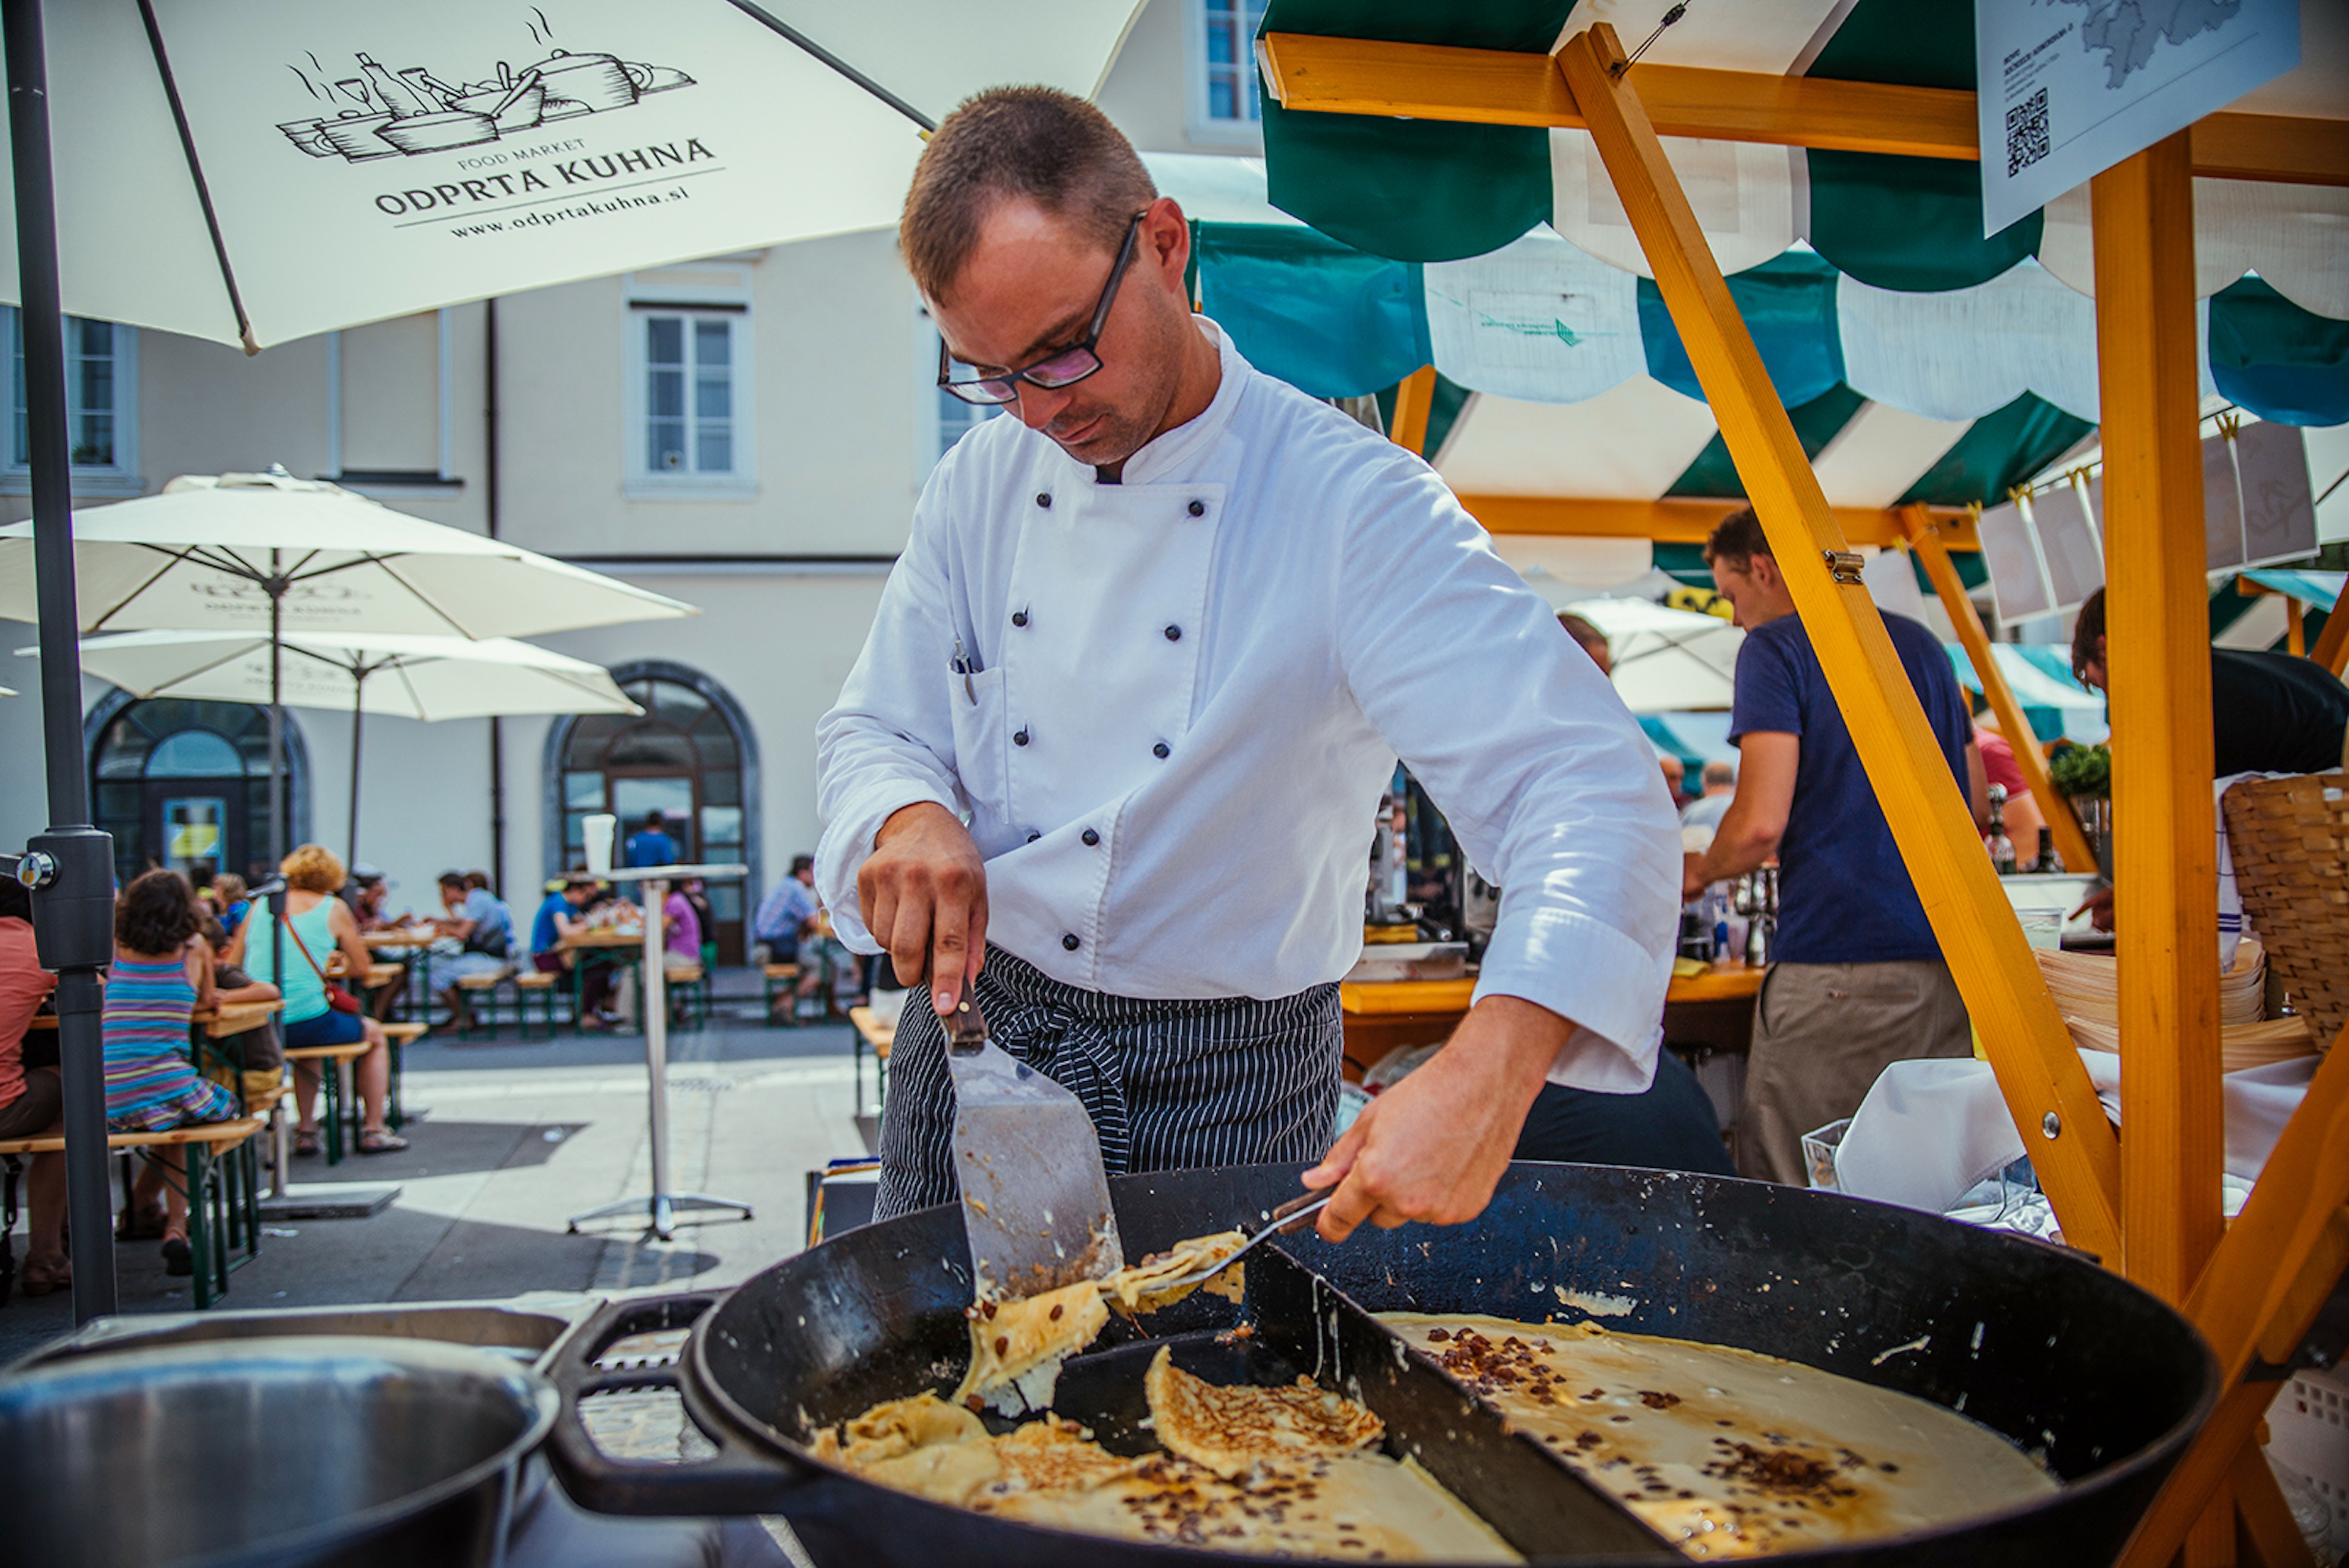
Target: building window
[(688, 393), (1225, 104), (101, 399), (941, 418), (185, 783), (680, 758), (691, 426)]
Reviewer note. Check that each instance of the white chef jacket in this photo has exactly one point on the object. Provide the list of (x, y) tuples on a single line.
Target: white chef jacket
[(1191, 689)]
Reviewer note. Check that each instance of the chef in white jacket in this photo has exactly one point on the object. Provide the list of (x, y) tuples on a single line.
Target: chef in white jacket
[(1111, 753)]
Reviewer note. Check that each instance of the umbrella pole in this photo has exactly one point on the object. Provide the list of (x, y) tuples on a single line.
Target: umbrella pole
[(275, 587), (70, 868), (359, 691)]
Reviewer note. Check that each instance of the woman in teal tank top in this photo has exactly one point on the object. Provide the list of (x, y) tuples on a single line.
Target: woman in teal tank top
[(319, 924)]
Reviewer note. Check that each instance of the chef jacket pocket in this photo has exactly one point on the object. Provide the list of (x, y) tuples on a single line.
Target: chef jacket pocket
[(982, 755)]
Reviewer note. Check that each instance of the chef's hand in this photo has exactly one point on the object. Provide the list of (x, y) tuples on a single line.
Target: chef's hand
[(923, 894), (2098, 907), (1432, 1148)]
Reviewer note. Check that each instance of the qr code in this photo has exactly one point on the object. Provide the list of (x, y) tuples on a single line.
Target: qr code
[(2026, 133)]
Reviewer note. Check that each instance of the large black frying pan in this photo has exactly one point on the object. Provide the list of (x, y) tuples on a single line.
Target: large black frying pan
[(2044, 1346)]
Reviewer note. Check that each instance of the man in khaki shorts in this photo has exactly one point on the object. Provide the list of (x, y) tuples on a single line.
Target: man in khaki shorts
[(1859, 981)]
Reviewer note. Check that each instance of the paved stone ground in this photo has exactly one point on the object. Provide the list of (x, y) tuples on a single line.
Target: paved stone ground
[(517, 1139)]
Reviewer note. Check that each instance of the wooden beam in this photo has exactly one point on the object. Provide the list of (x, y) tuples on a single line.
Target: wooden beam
[(2165, 867), (2203, 1469), (2062, 821), (2332, 649), (2038, 1068), (2289, 1227), (2267, 1518), (1674, 521), (1493, 87), (2295, 629), (1414, 400)]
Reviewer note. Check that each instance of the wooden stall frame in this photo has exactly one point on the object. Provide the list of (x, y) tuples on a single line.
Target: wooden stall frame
[(1925, 540), (1677, 520), (1491, 87), (2294, 1239), (2039, 1070), (1414, 400)]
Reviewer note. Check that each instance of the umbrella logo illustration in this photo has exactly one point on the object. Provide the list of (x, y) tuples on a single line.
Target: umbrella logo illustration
[(381, 112)]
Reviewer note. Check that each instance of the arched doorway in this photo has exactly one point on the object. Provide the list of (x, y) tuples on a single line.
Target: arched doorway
[(690, 757), (185, 783)]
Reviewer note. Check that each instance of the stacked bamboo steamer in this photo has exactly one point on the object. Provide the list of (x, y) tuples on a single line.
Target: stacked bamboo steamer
[(2086, 989)]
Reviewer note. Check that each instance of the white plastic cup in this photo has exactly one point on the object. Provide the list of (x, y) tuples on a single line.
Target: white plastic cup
[(599, 829), (2042, 928)]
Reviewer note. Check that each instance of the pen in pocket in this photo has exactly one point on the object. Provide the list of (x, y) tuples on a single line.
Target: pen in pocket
[(966, 667)]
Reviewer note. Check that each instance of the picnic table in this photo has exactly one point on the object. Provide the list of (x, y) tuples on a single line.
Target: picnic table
[(880, 1033), (219, 1022), (1713, 1008), (617, 945)]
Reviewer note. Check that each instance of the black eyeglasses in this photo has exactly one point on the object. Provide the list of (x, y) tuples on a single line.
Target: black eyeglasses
[(1063, 367)]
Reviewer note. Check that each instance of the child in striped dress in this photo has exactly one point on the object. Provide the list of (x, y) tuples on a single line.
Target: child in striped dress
[(160, 975)]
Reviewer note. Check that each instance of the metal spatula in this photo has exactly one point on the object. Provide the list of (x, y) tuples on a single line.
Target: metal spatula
[(1034, 1198)]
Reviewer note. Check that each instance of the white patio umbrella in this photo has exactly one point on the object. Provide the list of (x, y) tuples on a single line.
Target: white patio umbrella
[(1666, 661), (338, 161), (412, 677)]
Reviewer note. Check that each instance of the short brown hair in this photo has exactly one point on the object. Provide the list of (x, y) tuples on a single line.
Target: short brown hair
[(1582, 631), (2086, 632), (1032, 143), (156, 914), (1737, 538), (313, 869)]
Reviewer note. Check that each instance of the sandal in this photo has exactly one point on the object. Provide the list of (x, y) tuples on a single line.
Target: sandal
[(305, 1141), (381, 1143), (178, 1258), (40, 1277)]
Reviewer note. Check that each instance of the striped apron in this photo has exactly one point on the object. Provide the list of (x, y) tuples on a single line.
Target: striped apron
[(1170, 1086)]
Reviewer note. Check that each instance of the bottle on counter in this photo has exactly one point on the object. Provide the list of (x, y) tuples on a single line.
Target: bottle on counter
[(2001, 847), (2046, 865)]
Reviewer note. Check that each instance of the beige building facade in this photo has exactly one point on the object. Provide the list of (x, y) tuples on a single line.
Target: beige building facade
[(748, 433)]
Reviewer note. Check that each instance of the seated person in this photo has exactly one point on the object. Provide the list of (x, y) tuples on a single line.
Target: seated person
[(30, 1097), (229, 901), (697, 893), (317, 925), (560, 916), (786, 918), (482, 927), (681, 933), (1671, 1126), (254, 1052), (161, 975)]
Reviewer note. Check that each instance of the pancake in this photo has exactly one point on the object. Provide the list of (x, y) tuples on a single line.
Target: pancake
[(1231, 1430), (922, 1445), (1351, 1506), (1138, 1287), (1729, 1453), (1017, 1347)]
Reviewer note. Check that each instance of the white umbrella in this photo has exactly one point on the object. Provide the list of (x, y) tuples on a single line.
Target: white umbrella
[(269, 554), (252, 550), (425, 677), (1665, 660), (336, 161)]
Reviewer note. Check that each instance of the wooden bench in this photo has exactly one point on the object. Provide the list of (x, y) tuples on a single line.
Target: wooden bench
[(784, 977), (332, 1063), (871, 1031), (539, 983), (686, 986), (479, 994), (397, 1035), (217, 1218)]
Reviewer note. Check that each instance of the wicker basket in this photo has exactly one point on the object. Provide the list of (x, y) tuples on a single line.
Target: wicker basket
[(2290, 841)]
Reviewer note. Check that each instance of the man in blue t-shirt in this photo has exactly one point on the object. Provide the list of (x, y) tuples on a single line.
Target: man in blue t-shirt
[(651, 844), (1858, 982)]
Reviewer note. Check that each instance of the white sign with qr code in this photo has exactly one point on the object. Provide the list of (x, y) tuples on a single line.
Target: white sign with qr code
[(2070, 87)]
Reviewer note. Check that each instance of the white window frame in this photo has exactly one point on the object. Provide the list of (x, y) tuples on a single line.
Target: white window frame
[(647, 295), (1198, 124), (119, 478), (929, 405)]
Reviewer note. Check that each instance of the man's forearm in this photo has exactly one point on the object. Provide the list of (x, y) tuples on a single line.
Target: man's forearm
[(1734, 853)]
